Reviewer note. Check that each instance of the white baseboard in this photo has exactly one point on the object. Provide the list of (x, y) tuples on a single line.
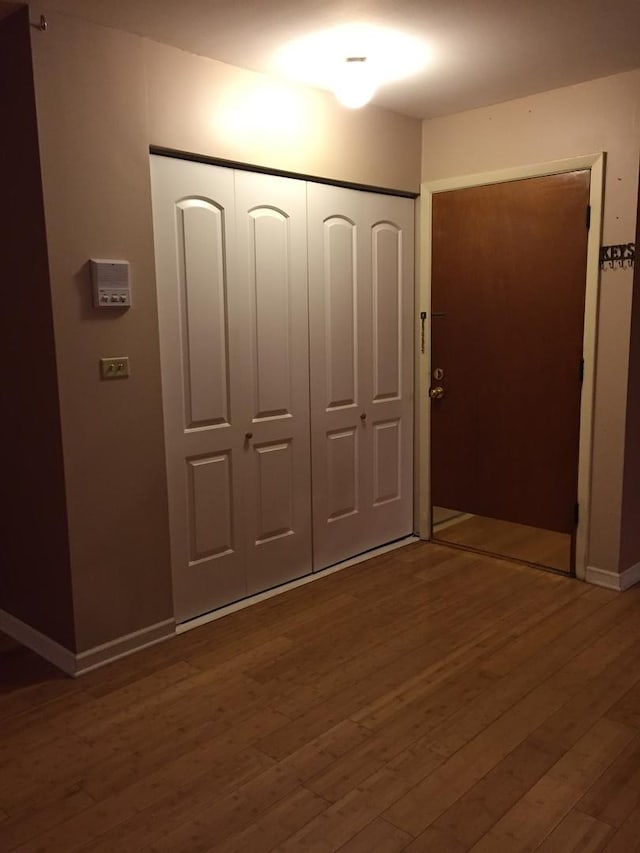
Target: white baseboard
[(123, 646), (82, 662), (39, 643), (77, 664), (613, 580), (197, 621)]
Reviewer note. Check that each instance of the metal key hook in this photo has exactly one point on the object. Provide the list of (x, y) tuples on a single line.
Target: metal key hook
[(42, 26)]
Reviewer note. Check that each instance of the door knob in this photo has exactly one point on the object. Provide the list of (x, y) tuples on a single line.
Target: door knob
[(363, 416), (248, 436), (436, 392)]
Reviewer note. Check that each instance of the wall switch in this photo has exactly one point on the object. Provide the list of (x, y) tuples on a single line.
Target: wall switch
[(114, 368)]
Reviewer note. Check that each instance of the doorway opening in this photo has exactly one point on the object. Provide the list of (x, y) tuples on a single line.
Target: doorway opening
[(509, 288)]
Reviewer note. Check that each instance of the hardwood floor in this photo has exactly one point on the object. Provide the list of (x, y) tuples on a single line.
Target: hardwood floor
[(508, 540), (427, 700)]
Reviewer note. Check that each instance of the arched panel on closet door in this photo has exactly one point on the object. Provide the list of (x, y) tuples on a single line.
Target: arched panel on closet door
[(386, 284)]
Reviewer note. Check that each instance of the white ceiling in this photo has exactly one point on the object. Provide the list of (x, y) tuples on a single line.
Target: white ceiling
[(483, 51)]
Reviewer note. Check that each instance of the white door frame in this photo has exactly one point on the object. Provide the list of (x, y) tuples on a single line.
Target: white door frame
[(595, 163)]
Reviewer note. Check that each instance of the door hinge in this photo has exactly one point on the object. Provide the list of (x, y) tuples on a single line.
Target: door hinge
[(581, 371), (588, 216), (576, 513)]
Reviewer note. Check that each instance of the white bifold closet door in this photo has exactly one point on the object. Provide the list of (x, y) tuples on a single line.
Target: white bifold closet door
[(231, 263), (361, 303)]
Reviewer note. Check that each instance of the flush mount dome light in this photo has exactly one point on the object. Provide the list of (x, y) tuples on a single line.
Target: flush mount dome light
[(353, 57), (356, 86)]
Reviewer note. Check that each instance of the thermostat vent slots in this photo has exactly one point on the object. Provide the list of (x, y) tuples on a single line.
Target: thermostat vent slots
[(111, 284)]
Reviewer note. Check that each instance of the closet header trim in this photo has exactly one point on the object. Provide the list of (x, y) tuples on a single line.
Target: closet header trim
[(248, 167)]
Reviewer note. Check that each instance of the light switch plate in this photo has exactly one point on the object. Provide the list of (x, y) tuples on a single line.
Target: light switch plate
[(114, 368)]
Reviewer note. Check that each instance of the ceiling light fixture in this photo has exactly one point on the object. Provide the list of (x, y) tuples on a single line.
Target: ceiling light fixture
[(356, 85), (373, 56)]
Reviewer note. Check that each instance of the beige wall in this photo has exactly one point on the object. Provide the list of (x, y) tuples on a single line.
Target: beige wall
[(199, 105), (92, 121), (103, 97), (602, 115), (630, 533), (35, 581)]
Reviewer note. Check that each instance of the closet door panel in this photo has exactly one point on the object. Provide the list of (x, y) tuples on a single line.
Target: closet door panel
[(210, 511), (337, 339), (343, 467), (203, 299), (386, 281), (338, 483), (387, 461), (276, 472), (274, 479), (361, 301), (193, 209), (270, 286), (390, 225), (340, 308)]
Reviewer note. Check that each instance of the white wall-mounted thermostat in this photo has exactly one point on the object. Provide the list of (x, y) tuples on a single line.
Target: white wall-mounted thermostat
[(111, 284)]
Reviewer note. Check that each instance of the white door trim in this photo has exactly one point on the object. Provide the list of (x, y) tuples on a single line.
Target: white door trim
[(595, 163)]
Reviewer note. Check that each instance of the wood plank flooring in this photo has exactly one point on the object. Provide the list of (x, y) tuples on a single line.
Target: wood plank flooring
[(508, 540), (427, 700)]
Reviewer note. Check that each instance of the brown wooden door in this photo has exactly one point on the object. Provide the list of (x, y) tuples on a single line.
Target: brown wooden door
[(508, 288)]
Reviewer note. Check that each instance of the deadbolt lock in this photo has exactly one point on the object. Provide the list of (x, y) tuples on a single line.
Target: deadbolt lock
[(438, 374), (436, 392)]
